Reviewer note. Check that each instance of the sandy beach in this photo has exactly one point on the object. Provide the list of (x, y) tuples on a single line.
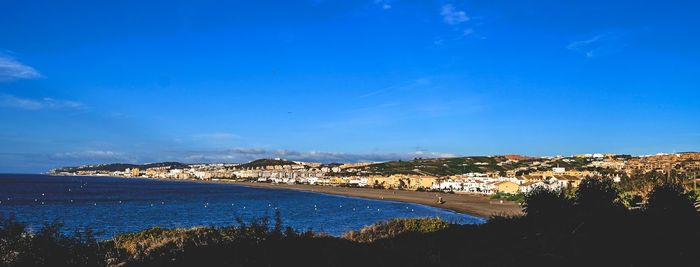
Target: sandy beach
[(464, 203)]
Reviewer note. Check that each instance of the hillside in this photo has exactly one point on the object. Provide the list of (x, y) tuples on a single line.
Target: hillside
[(438, 166), (121, 167), (265, 162)]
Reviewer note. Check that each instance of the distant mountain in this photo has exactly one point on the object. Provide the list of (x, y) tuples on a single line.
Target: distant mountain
[(121, 167), (265, 162)]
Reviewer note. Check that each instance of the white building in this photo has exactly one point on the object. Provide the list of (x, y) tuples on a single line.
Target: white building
[(358, 181)]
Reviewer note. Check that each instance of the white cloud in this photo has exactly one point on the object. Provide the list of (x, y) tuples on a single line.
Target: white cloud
[(385, 4), (405, 86), (82, 157), (586, 46), (248, 154), (89, 154), (583, 43), (11, 69), (453, 16), (37, 104), (216, 136), (598, 45)]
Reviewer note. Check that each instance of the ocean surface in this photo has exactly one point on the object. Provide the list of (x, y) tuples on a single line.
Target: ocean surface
[(115, 205)]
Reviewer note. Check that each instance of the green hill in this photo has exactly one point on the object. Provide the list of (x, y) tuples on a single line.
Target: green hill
[(265, 162), (438, 166)]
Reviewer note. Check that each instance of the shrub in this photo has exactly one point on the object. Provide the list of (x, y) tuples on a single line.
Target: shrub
[(544, 203), (519, 197), (670, 200), (597, 197), (47, 247), (395, 227), (13, 240)]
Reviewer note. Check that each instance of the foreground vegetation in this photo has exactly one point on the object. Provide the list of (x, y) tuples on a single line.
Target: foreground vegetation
[(589, 228)]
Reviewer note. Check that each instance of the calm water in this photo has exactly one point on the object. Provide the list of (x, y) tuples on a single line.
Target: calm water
[(113, 205)]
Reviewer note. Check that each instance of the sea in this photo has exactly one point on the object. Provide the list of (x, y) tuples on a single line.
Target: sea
[(110, 206)]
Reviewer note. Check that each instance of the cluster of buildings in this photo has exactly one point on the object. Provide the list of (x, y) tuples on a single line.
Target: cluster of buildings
[(557, 179), (664, 163), (478, 183), (520, 175)]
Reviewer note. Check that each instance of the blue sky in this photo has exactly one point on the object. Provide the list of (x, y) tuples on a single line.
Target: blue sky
[(206, 81)]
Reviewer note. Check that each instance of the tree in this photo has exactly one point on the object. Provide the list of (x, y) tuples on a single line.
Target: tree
[(669, 199), (546, 204), (598, 197)]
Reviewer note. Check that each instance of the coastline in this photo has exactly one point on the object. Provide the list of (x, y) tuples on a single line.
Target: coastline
[(475, 205), (470, 204)]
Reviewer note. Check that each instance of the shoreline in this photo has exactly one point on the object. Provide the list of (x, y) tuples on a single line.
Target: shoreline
[(469, 204)]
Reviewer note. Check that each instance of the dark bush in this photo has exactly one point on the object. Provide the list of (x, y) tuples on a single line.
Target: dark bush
[(546, 204), (670, 200), (598, 197), (395, 227)]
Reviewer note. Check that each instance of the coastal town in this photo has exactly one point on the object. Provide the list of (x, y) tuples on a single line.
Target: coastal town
[(485, 175)]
